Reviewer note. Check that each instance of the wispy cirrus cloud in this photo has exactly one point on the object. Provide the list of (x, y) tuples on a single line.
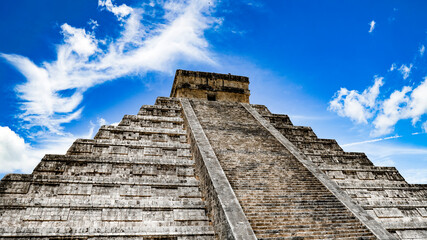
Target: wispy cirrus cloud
[(53, 90), (370, 141)]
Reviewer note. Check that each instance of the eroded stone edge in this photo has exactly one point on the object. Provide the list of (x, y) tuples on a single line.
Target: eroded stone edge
[(229, 219), (379, 231)]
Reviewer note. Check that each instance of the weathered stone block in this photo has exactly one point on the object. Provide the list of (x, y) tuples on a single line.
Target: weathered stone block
[(422, 211), (135, 191), (365, 175), (131, 215), (152, 151), (189, 215), (388, 212), (74, 189), (14, 187), (46, 214), (144, 170)]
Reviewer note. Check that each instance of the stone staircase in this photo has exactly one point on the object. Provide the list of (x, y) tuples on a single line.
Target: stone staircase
[(132, 181), (399, 207), (280, 197)]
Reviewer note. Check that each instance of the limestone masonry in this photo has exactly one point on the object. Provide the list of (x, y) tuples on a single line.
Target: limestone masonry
[(205, 164)]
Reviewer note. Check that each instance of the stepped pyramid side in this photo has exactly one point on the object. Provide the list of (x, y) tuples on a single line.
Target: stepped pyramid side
[(133, 181), (399, 207)]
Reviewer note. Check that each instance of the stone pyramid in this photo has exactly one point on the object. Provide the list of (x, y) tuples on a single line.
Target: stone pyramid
[(206, 164)]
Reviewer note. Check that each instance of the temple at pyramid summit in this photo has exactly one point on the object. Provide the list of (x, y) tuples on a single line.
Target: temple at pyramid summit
[(205, 163)]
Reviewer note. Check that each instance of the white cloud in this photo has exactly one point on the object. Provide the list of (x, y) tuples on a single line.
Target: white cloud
[(422, 50), (17, 155), (392, 111), (357, 106), (393, 67), (408, 103), (119, 11), (405, 104), (418, 103), (84, 61), (405, 70), (372, 26), (78, 41), (14, 152)]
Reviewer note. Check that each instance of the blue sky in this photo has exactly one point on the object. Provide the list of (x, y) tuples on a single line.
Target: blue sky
[(352, 70)]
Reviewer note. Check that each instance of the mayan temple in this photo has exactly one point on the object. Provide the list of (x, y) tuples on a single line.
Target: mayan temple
[(203, 164)]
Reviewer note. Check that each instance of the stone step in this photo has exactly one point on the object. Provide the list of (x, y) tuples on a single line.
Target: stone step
[(340, 158), (279, 120), (420, 206), (303, 196), (142, 134), (403, 223), (365, 184), (297, 133), (269, 209), (363, 173), (83, 168), (297, 213), (306, 234), (128, 147), (153, 229), (262, 109), (144, 160), (318, 146), (20, 183), (344, 224), (168, 101), (289, 202), (131, 143), (382, 196), (160, 110), (152, 121), (122, 201), (357, 168)]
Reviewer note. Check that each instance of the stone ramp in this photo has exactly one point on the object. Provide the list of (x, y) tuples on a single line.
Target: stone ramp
[(279, 196), (133, 181), (399, 207)]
